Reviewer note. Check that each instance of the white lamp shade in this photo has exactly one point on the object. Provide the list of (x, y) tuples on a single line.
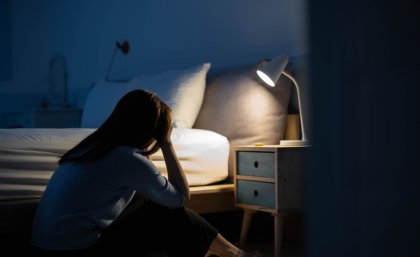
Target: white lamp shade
[(271, 72)]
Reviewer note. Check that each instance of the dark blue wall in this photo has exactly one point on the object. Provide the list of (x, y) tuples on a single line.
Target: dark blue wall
[(5, 40), (163, 35)]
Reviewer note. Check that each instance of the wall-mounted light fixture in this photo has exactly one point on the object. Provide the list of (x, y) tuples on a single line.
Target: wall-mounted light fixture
[(270, 74), (124, 47)]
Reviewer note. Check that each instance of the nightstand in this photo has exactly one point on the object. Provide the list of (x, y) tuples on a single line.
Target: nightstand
[(269, 178), (44, 118)]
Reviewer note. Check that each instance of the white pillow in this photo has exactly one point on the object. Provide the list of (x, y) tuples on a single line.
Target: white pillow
[(181, 90), (101, 101)]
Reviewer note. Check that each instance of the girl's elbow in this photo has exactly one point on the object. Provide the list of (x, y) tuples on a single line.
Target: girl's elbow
[(187, 199)]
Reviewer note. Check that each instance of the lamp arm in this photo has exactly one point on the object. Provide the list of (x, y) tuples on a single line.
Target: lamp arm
[(300, 106)]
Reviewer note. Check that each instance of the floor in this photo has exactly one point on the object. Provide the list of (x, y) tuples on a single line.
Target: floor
[(267, 248), (261, 235)]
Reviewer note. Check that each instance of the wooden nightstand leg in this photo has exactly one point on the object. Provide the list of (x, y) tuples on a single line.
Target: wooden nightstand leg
[(278, 233), (246, 221)]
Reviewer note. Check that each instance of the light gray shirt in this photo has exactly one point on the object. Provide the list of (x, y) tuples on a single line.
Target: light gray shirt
[(83, 199)]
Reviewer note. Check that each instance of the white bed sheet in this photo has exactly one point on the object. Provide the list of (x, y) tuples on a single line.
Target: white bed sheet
[(29, 156)]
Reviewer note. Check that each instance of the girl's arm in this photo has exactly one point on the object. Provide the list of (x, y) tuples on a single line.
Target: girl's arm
[(175, 172)]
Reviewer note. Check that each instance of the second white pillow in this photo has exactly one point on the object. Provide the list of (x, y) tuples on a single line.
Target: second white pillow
[(182, 90)]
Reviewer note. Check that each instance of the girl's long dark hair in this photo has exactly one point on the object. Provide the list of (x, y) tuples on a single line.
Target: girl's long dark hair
[(140, 119)]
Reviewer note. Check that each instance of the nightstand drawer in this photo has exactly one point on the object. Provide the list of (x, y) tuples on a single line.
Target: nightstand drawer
[(258, 164), (256, 193)]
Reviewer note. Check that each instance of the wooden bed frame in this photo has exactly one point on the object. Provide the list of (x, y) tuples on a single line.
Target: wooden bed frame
[(220, 197)]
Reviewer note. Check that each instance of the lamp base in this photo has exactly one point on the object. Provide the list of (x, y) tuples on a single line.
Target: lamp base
[(294, 143)]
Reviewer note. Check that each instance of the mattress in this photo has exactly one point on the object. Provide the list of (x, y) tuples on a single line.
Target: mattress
[(28, 157)]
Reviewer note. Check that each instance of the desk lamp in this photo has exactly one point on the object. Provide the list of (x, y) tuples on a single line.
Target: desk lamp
[(270, 74)]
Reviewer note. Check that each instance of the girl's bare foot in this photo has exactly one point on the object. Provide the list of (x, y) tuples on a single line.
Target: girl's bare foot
[(223, 248)]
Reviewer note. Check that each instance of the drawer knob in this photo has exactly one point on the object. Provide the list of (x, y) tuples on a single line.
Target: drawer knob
[(255, 193), (256, 164)]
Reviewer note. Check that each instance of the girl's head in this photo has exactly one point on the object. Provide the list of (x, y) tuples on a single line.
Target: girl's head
[(140, 119)]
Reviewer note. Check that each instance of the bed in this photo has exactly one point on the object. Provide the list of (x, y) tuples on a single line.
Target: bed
[(213, 111), (29, 157)]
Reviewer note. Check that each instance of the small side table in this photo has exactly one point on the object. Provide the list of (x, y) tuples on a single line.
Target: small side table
[(44, 118), (269, 178)]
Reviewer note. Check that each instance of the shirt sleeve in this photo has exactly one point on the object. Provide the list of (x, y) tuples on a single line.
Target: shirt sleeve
[(136, 171)]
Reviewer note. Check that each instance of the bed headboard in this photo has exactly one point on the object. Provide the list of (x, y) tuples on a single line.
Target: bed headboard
[(237, 105)]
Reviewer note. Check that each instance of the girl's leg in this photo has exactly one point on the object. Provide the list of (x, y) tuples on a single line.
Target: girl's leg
[(188, 234), (179, 232), (138, 229)]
